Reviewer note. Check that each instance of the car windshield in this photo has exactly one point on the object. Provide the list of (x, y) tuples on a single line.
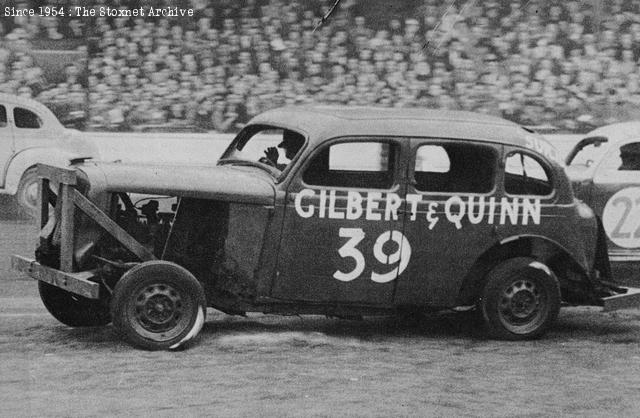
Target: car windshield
[(271, 147)]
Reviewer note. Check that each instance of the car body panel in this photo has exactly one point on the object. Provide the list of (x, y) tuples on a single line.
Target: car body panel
[(305, 275), (228, 183), (614, 194), (22, 148), (7, 144)]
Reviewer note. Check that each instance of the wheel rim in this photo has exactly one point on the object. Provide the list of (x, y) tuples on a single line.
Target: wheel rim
[(522, 305), (30, 196), (160, 311)]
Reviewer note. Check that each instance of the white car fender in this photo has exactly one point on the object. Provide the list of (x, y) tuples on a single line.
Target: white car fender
[(29, 158)]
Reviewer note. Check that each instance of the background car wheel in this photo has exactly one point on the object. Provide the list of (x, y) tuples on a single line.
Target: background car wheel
[(27, 194), (520, 300), (158, 305), (72, 309)]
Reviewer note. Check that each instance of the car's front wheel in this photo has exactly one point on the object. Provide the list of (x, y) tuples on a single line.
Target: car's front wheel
[(158, 305), (520, 300)]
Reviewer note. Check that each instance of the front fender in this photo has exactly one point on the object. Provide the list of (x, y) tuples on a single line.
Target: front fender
[(29, 158)]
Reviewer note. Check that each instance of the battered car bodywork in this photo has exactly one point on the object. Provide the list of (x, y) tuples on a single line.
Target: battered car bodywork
[(612, 189), (377, 211)]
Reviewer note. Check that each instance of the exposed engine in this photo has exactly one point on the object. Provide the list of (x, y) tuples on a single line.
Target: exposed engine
[(146, 220)]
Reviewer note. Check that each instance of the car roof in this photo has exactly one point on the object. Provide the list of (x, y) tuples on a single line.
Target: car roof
[(23, 101), (323, 122), (618, 131)]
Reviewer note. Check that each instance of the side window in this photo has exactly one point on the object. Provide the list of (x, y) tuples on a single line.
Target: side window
[(3, 116), (366, 165), (626, 158), (455, 168), (26, 119), (525, 175)]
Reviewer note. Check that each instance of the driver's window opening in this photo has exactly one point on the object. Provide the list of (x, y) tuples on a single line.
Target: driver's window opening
[(271, 146), (363, 164), (526, 176)]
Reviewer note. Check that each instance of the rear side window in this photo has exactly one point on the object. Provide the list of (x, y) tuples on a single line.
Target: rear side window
[(455, 168), (524, 175), (26, 119), (3, 116), (366, 165)]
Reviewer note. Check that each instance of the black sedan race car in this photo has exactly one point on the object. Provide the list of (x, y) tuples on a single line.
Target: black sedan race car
[(326, 210)]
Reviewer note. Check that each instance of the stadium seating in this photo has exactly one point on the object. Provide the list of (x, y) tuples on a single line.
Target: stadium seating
[(566, 64)]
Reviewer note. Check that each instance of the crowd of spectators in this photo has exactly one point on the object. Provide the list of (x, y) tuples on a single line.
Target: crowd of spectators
[(537, 62)]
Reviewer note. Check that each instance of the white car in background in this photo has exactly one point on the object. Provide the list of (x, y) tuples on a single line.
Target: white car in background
[(31, 134), (604, 168)]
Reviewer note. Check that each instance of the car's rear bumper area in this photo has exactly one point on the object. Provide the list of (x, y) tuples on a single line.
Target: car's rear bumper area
[(78, 283), (629, 299), (624, 256)]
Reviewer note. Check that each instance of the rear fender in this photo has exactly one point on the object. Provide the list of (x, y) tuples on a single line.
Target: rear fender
[(26, 159), (566, 267)]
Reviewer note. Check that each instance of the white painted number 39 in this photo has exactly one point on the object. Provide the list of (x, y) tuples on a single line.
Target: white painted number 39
[(356, 235)]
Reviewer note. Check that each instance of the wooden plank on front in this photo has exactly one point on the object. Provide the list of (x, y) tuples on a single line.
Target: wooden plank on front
[(67, 223), (44, 201), (79, 283), (57, 174)]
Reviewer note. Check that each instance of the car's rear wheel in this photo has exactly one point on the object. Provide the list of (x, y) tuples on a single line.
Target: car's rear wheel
[(158, 305), (27, 193), (71, 309), (520, 300)]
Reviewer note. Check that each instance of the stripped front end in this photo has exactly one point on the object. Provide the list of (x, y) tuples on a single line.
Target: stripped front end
[(96, 234)]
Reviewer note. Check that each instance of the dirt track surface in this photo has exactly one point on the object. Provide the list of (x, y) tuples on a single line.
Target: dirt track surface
[(263, 365)]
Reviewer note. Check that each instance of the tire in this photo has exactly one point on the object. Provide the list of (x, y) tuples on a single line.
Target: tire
[(158, 305), (27, 194), (71, 309), (520, 300)]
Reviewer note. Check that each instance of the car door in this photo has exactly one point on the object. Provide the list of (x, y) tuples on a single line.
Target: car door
[(7, 146), (342, 231), (449, 217), (616, 197)]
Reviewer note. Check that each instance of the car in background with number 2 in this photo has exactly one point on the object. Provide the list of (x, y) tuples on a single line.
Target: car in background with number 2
[(325, 210), (604, 168)]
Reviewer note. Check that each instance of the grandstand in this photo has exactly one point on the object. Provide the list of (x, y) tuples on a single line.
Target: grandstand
[(571, 64)]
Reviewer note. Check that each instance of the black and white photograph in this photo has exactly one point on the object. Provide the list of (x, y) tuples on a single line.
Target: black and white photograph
[(320, 208)]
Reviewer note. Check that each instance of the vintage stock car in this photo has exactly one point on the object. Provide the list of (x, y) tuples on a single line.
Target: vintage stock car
[(604, 168), (326, 210)]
